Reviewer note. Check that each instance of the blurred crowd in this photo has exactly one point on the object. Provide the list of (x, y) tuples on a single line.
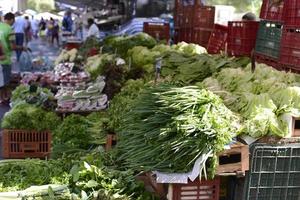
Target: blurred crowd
[(17, 30)]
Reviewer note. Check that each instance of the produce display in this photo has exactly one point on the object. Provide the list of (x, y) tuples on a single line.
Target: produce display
[(261, 97), (121, 44), (169, 128), (33, 95), (66, 56), (69, 73), (28, 117), (200, 104), (76, 99), (44, 78), (85, 175)]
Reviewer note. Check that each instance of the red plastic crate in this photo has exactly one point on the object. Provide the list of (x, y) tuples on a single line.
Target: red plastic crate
[(292, 12), (93, 51), (159, 31), (201, 36), (259, 58), (271, 10), (176, 35), (217, 39), (241, 37), (25, 144), (204, 17), (183, 35), (206, 189), (290, 47), (178, 16), (193, 14), (187, 19), (72, 45)]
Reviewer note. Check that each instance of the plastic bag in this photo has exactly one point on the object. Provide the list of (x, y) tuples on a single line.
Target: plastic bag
[(25, 61)]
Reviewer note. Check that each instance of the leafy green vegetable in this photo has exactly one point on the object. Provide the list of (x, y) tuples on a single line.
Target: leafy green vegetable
[(37, 96), (121, 44), (96, 64), (73, 133), (84, 174), (28, 117), (189, 49), (21, 174), (169, 128), (121, 104)]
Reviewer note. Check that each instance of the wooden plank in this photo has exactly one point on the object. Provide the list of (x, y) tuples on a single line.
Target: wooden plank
[(236, 167)]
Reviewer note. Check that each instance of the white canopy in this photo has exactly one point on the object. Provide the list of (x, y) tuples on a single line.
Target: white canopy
[(30, 12), (47, 15)]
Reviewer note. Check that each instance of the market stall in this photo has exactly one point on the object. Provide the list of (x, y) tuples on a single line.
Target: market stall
[(208, 124)]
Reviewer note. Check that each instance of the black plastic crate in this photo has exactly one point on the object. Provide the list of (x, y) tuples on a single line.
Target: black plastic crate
[(269, 38), (274, 173)]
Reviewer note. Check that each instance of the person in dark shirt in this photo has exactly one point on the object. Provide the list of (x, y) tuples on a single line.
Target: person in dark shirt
[(55, 33), (42, 27), (67, 22)]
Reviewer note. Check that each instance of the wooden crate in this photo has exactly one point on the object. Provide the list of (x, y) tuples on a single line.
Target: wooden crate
[(204, 189), (296, 127), (111, 140), (26, 144), (234, 160)]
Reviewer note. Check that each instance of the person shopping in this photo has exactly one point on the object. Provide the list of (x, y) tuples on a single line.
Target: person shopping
[(7, 42), (93, 30)]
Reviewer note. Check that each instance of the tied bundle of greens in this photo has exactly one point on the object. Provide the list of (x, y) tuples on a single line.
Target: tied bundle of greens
[(169, 128)]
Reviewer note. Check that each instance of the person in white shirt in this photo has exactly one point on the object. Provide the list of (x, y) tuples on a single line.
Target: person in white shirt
[(19, 28), (34, 27), (93, 30)]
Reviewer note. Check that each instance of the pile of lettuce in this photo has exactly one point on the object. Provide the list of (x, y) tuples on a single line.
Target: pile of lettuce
[(121, 44), (262, 97), (29, 117)]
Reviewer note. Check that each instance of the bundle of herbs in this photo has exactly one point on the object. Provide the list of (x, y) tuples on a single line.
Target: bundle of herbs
[(168, 128)]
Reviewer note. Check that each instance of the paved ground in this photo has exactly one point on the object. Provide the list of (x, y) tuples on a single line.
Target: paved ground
[(40, 48)]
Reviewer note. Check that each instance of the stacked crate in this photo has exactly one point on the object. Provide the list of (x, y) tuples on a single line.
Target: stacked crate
[(193, 22), (290, 42), (268, 42), (160, 31), (241, 37), (278, 39), (217, 40)]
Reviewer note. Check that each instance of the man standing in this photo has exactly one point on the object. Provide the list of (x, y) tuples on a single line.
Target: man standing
[(7, 38), (93, 29), (19, 28), (67, 22)]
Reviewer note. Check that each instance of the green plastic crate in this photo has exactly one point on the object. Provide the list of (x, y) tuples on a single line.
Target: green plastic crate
[(274, 173), (269, 38)]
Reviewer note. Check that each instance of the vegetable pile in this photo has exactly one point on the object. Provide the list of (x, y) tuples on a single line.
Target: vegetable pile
[(33, 95), (199, 104), (28, 117), (168, 128), (261, 97), (85, 175)]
